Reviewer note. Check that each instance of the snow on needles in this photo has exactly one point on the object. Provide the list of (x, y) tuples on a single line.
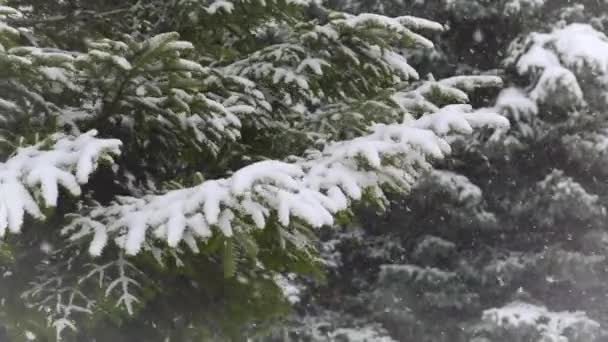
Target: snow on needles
[(553, 326), (401, 25), (310, 189), (561, 56), (68, 162)]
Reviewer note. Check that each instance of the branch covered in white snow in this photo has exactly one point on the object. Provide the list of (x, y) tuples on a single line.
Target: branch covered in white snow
[(40, 169), (312, 189)]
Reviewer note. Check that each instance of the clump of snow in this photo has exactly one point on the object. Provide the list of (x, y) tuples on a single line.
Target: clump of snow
[(457, 185), (580, 46), (516, 104), (553, 326), (69, 163), (427, 275), (421, 98), (398, 24), (288, 287), (363, 334), (563, 56), (314, 64), (472, 82), (6, 11), (30, 336), (218, 5)]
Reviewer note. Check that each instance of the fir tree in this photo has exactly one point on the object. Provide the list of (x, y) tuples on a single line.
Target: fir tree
[(166, 164), (507, 241)]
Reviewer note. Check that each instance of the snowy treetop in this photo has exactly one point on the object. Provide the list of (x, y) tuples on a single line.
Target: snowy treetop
[(564, 59)]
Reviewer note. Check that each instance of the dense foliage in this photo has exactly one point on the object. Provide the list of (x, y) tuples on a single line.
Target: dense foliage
[(166, 165), (507, 241)]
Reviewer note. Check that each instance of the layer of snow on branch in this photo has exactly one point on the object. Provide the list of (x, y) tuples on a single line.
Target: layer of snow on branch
[(68, 162), (580, 45), (310, 189), (552, 325), (399, 24), (517, 104), (457, 185), (455, 88), (561, 56), (288, 287)]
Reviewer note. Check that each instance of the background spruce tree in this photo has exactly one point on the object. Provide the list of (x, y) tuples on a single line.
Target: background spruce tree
[(167, 164), (507, 241)]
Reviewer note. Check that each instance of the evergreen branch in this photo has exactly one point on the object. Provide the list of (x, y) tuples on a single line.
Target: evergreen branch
[(311, 189), (69, 162)]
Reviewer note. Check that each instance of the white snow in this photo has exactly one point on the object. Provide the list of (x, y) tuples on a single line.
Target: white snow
[(561, 57), (288, 286), (518, 104), (472, 82), (457, 185), (551, 325), (580, 45), (68, 163), (312, 189), (429, 275), (6, 11), (314, 64), (30, 336), (398, 24), (223, 5), (416, 23)]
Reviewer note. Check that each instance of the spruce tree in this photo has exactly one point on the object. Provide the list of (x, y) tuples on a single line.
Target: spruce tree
[(167, 165), (506, 241)]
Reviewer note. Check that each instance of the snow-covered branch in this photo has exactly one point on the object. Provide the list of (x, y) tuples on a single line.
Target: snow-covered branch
[(311, 189), (40, 169), (563, 59), (551, 326)]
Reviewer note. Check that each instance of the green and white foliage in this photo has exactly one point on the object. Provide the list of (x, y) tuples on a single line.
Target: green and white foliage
[(474, 10), (169, 150), (311, 189), (330, 325), (519, 321), (33, 174), (507, 242)]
